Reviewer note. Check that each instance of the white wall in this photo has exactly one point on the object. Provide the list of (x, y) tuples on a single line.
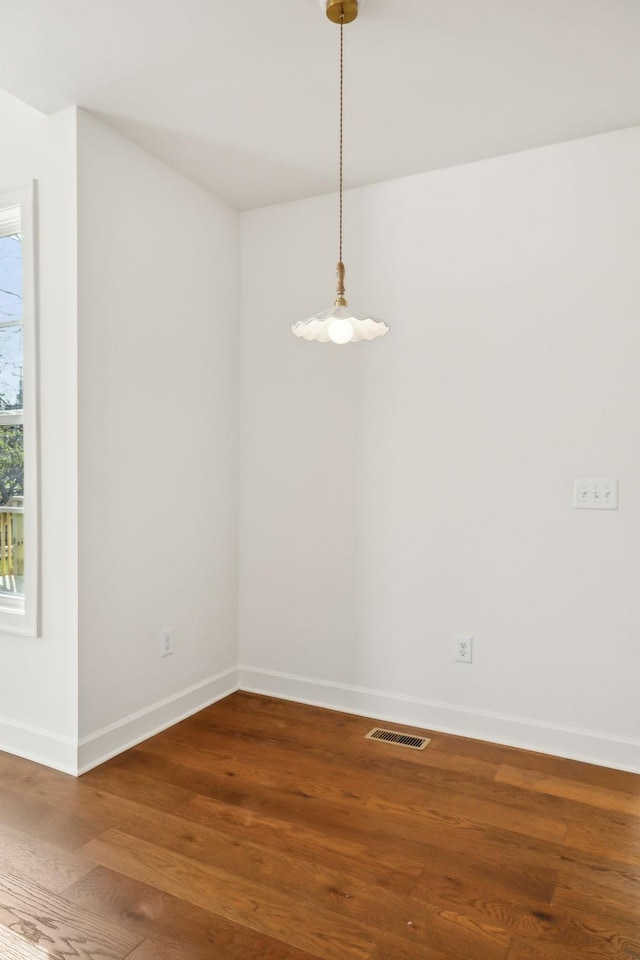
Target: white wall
[(396, 493), (38, 677), (392, 493), (158, 302)]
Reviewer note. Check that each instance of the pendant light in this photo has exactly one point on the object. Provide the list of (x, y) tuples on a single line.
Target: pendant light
[(340, 324)]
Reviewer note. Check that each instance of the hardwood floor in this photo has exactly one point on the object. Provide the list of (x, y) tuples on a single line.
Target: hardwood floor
[(266, 830)]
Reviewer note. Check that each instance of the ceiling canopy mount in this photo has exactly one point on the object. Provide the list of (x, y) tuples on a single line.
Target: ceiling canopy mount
[(342, 11)]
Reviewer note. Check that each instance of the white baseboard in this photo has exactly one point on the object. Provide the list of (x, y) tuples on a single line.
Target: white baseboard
[(120, 736), (39, 745), (589, 746), (72, 757)]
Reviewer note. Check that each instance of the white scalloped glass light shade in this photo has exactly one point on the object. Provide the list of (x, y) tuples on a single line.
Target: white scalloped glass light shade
[(339, 325)]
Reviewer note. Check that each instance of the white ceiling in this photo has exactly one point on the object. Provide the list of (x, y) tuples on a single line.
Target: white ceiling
[(241, 95)]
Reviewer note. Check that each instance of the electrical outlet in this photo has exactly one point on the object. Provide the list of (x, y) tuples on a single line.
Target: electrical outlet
[(463, 649), (166, 642), (595, 494)]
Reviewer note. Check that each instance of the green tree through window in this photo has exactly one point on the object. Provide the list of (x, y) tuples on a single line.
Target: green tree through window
[(11, 415)]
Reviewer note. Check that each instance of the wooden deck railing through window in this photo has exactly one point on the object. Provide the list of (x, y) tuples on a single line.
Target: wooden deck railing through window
[(11, 541)]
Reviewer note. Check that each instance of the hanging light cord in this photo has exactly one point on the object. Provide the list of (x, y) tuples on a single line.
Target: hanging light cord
[(340, 299), (341, 124)]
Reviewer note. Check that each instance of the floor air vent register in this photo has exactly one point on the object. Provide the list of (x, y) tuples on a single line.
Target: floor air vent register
[(400, 739)]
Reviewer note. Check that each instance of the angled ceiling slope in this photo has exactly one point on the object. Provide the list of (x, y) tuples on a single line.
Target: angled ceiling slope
[(242, 97)]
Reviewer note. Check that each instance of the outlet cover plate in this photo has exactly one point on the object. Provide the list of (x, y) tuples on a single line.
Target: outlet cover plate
[(463, 649), (166, 642)]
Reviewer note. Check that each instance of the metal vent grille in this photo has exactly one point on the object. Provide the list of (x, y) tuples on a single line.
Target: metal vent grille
[(401, 739)]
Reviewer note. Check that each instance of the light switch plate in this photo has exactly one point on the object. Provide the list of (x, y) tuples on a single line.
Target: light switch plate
[(595, 494)]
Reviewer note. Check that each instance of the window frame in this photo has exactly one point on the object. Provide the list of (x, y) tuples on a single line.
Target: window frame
[(22, 615)]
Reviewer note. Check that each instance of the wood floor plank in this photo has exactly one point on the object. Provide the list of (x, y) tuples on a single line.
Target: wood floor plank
[(22, 811), (23, 773), (486, 867), (301, 955), (227, 744), (250, 904), (400, 831), (15, 947), (99, 808), (337, 736), (226, 826), (398, 948), (169, 921), (152, 950), (303, 745), (551, 860), (490, 813), (383, 859), (604, 798), (541, 923), (479, 804), (155, 793), (41, 862), (266, 830), (242, 857), (107, 797), (604, 889), (615, 837), (309, 776), (594, 948), (586, 773), (321, 774), (319, 893), (57, 926), (382, 865)]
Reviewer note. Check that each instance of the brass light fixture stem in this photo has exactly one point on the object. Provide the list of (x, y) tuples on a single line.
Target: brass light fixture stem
[(340, 298)]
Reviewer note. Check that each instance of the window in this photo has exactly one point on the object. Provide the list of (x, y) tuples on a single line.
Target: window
[(18, 462)]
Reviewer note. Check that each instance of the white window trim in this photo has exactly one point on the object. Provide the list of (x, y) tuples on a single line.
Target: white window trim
[(16, 616)]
